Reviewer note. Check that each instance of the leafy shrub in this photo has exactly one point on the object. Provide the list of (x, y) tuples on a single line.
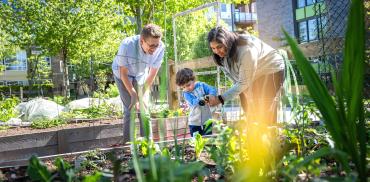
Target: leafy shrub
[(159, 112), (61, 100), (170, 170), (38, 171), (47, 123), (7, 110), (4, 127), (112, 91), (2, 68), (102, 111)]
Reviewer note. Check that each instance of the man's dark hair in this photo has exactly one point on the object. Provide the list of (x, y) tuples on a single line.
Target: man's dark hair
[(221, 35), (184, 76), (151, 30)]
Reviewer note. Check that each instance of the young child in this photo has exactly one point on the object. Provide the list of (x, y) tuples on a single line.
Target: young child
[(195, 94)]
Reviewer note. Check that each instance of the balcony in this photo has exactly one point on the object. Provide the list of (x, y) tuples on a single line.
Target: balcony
[(245, 18)]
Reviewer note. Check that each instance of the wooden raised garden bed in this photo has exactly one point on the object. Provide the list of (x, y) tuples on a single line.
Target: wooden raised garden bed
[(20, 147), (169, 125)]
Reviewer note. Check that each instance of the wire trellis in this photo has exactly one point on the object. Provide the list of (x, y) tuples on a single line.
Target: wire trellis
[(332, 20)]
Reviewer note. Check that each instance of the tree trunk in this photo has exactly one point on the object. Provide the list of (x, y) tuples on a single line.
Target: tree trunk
[(138, 19), (57, 73), (92, 80), (65, 87), (30, 71)]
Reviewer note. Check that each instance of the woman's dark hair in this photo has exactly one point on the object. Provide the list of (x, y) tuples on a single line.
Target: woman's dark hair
[(184, 76), (221, 35)]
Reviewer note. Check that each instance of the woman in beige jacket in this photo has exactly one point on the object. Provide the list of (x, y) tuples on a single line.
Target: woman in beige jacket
[(256, 70)]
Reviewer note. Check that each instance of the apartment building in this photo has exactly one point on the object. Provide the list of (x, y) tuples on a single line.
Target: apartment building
[(15, 72), (240, 16)]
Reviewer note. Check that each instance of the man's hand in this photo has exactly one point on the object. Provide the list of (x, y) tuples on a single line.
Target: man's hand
[(134, 98)]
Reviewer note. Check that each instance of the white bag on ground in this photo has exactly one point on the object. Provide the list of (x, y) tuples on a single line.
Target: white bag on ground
[(83, 103), (39, 108)]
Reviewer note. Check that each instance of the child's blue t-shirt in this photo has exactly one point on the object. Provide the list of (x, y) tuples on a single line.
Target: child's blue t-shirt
[(199, 114)]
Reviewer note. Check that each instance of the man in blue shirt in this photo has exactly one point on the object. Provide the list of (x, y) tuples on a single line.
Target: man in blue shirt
[(195, 94), (134, 67)]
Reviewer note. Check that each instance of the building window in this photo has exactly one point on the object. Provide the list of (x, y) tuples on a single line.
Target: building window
[(309, 2), (48, 61), (301, 3), (253, 7), (303, 37), (312, 29), (322, 22), (223, 8), (17, 62), (310, 20)]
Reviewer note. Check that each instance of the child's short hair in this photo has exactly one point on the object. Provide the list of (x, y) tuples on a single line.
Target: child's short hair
[(184, 76)]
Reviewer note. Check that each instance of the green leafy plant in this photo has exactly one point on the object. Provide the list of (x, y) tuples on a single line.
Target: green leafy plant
[(96, 177), (4, 127), (66, 172), (299, 133), (7, 110), (164, 112), (161, 112), (92, 160), (61, 100), (43, 123), (199, 143), (170, 170), (146, 147), (222, 149), (344, 117), (112, 91), (103, 110), (37, 170), (177, 113), (116, 159), (2, 68)]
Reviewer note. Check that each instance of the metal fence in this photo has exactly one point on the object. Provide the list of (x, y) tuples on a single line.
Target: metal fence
[(332, 20), (332, 16)]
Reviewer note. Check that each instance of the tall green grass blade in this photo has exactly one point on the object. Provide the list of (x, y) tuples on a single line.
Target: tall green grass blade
[(352, 83), (163, 82), (293, 99), (135, 157), (145, 118), (183, 141), (177, 147)]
